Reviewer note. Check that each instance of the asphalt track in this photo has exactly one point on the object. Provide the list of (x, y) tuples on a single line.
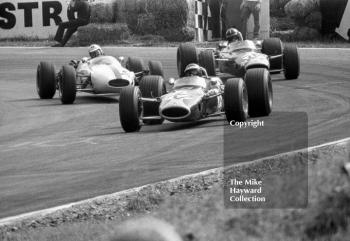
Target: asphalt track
[(51, 154)]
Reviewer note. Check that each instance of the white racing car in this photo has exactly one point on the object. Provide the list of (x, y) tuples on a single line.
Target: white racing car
[(100, 75)]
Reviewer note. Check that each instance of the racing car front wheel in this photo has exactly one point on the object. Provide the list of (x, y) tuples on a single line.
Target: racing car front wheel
[(156, 68), (260, 95), (236, 100), (67, 85), (130, 108), (291, 62), (152, 86), (46, 80)]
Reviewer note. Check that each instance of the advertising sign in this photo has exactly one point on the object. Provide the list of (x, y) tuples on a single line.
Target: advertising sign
[(31, 18)]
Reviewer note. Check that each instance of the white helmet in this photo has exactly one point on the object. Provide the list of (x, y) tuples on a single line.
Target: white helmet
[(95, 51), (193, 70)]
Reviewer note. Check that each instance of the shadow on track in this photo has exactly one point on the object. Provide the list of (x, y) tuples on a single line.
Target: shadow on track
[(167, 127), (280, 78), (81, 100)]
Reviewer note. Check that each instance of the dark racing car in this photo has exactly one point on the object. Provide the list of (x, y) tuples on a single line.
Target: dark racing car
[(242, 57), (191, 98)]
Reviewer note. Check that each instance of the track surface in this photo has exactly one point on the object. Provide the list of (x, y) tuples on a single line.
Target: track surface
[(52, 154)]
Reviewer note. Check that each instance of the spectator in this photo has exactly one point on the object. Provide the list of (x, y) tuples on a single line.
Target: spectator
[(82, 7), (249, 7)]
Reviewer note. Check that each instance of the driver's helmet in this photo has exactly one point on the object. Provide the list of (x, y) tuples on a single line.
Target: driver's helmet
[(95, 51), (193, 70), (233, 34)]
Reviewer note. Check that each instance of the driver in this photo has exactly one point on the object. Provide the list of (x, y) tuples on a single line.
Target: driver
[(214, 87), (193, 70), (233, 35), (95, 51)]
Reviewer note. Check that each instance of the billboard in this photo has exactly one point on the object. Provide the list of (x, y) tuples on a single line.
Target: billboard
[(31, 18)]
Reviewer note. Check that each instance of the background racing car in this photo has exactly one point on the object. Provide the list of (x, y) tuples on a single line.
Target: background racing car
[(253, 61), (100, 75), (243, 56), (191, 98)]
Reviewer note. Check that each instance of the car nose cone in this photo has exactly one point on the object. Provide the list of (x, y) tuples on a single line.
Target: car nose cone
[(118, 83), (175, 113)]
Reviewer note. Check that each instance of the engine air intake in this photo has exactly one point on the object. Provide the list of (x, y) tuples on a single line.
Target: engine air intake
[(175, 112), (118, 83)]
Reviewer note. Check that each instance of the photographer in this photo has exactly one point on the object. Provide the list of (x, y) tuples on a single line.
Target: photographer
[(82, 7)]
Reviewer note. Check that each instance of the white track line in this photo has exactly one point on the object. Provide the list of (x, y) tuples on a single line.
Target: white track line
[(14, 219), (309, 149)]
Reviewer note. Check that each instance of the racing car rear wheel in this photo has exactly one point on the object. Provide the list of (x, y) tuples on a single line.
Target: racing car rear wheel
[(67, 85), (156, 68), (186, 54), (291, 62), (46, 80), (260, 95), (236, 100), (130, 108), (207, 61), (273, 46), (135, 64), (152, 86)]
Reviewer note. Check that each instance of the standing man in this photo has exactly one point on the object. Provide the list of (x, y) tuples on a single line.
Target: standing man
[(82, 7), (249, 7)]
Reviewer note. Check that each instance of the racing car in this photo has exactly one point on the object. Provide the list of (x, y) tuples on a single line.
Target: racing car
[(238, 58), (189, 100), (100, 75)]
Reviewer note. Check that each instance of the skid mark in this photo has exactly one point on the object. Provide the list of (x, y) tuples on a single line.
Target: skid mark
[(48, 144)]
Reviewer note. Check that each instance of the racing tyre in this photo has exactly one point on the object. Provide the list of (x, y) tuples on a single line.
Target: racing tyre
[(260, 94), (236, 100), (135, 65), (207, 61), (46, 80), (273, 46), (186, 54), (291, 62), (156, 68), (152, 86), (67, 86), (130, 108)]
